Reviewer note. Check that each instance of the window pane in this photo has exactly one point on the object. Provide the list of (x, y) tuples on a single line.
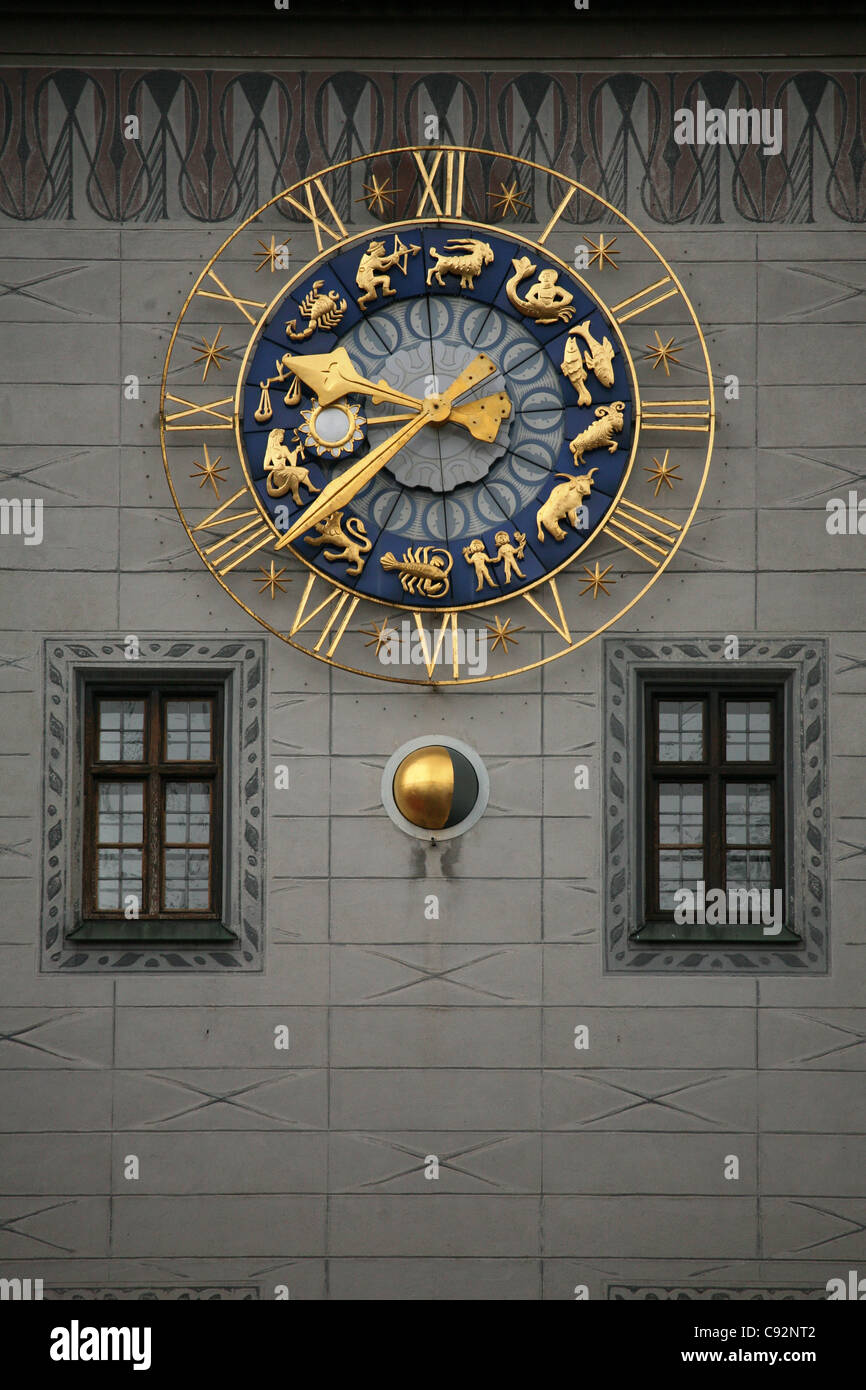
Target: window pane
[(681, 813), (186, 880), (681, 731), (187, 813), (747, 813), (119, 875), (678, 869), (121, 731), (187, 730), (121, 818), (747, 731), (747, 868)]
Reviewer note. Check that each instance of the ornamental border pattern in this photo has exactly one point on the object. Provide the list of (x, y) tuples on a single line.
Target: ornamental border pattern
[(216, 144), (738, 1293), (152, 1293), (627, 658), (67, 660)]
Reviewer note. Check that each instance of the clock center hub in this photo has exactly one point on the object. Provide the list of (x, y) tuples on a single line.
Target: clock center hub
[(439, 409)]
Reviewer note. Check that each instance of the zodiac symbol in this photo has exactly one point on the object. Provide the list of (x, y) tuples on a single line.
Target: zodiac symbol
[(599, 359), (474, 554), (573, 368), (374, 265), (466, 257), (321, 310), (564, 501), (264, 411), (545, 301), (510, 553), (599, 435), (284, 473), (424, 567), (352, 539), (600, 356)]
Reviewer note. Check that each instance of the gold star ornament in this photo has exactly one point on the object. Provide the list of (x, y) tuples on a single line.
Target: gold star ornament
[(602, 252), (595, 580), (271, 255), (379, 633), (663, 353), (503, 633), (508, 200), (212, 355), (272, 579), (209, 472), (379, 195), (663, 474)]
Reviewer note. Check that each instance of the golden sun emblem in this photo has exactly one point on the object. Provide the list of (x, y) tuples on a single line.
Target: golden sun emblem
[(332, 429)]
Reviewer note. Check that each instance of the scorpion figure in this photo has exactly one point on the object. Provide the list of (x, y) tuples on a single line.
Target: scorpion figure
[(427, 567), (321, 311)]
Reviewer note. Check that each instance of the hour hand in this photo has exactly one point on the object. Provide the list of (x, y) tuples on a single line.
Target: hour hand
[(331, 375)]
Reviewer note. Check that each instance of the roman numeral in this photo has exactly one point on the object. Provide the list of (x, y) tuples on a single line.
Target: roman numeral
[(226, 421), (642, 301), (452, 203), (321, 221), (672, 412), (432, 652), (242, 305), (254, 534), (556, 216), (560, 622), (344, 605), (646, 533)]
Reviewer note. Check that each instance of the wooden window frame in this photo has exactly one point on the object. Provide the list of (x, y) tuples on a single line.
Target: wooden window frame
[(155, 771), (714, 773)]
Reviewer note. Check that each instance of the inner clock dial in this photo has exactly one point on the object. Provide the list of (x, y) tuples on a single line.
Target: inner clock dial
[(460, 484)]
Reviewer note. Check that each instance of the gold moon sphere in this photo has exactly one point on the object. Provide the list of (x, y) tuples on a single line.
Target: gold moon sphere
[(435, 787)]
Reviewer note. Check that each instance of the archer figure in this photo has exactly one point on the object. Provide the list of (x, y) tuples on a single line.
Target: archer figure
[(374, 266)]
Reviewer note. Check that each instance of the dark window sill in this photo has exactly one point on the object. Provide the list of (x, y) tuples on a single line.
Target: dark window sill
[(139, 933), (672, 934)]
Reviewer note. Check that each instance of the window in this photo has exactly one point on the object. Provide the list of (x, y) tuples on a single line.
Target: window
[(152, 809), (154, 789), (714, 810), (716, 852)]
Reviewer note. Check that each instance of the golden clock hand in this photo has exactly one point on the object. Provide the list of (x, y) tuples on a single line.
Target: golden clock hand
[(488, 414), (340, 491), (482, 417), (479, 369), (331, 375)]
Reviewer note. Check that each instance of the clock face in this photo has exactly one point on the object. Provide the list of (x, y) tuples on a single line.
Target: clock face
[(462, 513), (438, 424)]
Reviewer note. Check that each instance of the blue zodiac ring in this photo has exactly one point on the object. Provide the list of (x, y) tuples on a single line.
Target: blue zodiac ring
[(511, 382)]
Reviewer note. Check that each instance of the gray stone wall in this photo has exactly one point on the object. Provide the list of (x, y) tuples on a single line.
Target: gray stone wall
[(412, 1037)]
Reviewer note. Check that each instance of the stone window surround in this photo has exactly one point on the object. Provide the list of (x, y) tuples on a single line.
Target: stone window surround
[(628, 662), (241, 662)]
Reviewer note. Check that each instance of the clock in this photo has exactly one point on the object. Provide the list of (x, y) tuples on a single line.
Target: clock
[(445, 451)]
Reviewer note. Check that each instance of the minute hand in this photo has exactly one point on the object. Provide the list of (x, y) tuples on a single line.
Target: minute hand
[(340, 491)]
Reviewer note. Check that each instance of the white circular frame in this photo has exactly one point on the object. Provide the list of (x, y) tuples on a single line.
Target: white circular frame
[(427, 741)]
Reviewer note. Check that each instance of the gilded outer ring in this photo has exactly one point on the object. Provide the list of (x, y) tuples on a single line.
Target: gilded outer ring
[(346, 244), (567, 184)]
